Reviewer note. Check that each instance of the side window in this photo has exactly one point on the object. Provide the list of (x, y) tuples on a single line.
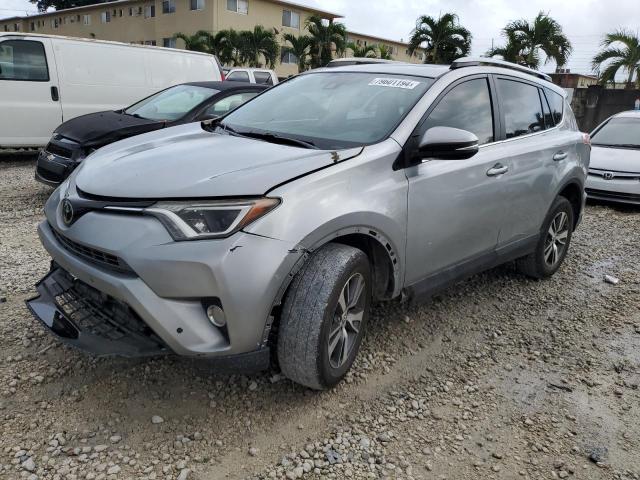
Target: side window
[(263, 78), (23, 60), (468, 107), (556, 102), (522, 107), (548, 118), (238, 76), (229, 103)]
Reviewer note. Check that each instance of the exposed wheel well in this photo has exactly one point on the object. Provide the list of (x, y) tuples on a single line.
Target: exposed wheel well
[(573, 193), (380, 258)]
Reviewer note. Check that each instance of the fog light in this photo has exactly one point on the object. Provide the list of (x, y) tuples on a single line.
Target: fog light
[(216, 315)]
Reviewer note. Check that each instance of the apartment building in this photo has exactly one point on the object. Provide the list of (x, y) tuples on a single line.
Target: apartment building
[(155, 22), (399, 50)]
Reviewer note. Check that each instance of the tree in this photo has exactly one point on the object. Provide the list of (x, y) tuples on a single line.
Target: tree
[(529, 39), (443, 39), (325, 38), (384, 52), (300, 47), (621, 52), (44, 5), (511, 51), (196, 42), (361, 51), (257, 44)]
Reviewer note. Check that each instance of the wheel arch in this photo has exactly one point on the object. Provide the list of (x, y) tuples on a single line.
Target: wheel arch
[(573, 191)]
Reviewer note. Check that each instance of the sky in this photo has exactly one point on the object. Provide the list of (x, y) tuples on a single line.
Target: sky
[(584, 21)]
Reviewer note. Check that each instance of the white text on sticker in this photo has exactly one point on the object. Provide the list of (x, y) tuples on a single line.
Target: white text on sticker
[(394, 83)]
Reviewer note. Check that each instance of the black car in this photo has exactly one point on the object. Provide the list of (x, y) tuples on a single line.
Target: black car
[(189, 102)]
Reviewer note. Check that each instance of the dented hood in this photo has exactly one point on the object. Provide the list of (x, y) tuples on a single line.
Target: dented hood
[(189, 162)]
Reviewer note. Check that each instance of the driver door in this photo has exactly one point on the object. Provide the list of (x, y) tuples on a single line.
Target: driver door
[(456, 207)]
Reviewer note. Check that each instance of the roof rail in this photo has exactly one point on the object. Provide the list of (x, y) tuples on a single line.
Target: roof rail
[(486, 61)]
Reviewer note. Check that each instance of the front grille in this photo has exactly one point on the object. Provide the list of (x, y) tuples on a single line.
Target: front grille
[(634, 197), (616, 174), (99, 314), (93, 255), (58, 150)]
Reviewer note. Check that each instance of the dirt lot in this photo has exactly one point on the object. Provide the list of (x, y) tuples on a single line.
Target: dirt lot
[(500, 377)]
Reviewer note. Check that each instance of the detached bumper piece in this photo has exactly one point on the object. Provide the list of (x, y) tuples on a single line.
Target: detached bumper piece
[(90, 320)]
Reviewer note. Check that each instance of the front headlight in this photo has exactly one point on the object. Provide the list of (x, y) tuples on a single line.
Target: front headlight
[(191, 220)]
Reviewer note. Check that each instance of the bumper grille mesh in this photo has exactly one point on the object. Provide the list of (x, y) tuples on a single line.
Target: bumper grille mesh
[(93, 255), (58, 150)]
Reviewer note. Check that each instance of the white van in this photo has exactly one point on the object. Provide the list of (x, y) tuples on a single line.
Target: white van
[(48, 79)]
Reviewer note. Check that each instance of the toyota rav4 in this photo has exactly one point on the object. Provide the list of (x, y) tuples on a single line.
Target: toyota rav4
[(267, 235)]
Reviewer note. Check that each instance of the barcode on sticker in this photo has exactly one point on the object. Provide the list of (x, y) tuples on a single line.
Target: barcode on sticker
[(394, 83)]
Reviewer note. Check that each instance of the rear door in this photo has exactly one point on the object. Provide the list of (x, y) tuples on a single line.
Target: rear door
[(535, 151), (29, 97)]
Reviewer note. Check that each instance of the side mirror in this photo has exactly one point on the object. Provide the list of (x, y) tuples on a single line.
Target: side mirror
[(447, 143)]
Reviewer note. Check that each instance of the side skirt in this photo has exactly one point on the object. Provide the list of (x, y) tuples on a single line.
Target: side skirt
[(426, 288)]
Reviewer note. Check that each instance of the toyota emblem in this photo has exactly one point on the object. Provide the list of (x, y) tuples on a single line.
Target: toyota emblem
[(608, 176), (67, 212)]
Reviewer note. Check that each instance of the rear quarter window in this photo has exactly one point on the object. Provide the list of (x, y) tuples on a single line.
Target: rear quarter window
[(556, 104)]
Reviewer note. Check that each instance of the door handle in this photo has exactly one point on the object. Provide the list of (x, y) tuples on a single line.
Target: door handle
[(55, 96), (560, 156), (497, 169)]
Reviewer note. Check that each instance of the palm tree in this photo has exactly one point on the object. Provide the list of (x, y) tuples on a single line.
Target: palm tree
[(621, 51), (444, 38), (361, 51), (529, 39), (326, 37), (195, 42), (257, 44), (226, 45), (511, 51), (300, 47), (384, 52)]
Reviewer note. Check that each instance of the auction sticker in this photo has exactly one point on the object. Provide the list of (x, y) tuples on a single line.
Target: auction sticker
[(394, 83)]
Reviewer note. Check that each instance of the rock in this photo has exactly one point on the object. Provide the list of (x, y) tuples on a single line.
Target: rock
[(156, 419), (29, 465), (598, 454), (253, 386), (115, 438), (184, 474), (100, 448), (114, 470), (253, 451), (611, 280)]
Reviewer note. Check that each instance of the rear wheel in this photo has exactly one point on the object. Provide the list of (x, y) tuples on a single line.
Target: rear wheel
[(553, 243), (324, 316)]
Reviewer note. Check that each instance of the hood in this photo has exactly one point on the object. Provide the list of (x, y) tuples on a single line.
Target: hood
[(615, 159), (189, 162), (97, 129)]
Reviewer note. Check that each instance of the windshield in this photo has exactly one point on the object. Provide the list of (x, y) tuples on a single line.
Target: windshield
[(619, 132), (331, 110), (172, 103)]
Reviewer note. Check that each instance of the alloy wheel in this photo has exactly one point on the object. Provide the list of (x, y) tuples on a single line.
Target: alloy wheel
[(556, 241), (347, 320)]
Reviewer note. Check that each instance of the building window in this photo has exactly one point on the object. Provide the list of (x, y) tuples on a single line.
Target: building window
[(105, 17), (168, 6), (149, 11), (131, 11), (120, 12), (238, 6), (6, 28), (287, 56), (32, 26), (86, 19), (290, 19), (197, 4), (54, 23), (150, 42), (169, 42)]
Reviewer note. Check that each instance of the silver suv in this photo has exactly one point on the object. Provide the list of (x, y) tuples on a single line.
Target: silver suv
[(268, 234)]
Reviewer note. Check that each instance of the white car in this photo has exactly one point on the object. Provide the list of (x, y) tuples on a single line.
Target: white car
[(614, 172), (46, 80), (261, 76)]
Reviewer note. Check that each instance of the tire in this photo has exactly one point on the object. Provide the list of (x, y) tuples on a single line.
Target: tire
[(313, 314), (538, 264)]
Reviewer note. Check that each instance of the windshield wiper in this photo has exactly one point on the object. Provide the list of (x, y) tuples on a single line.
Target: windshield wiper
[(275, 138)]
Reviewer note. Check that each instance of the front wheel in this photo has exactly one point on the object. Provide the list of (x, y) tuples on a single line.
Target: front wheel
[(324, 316), (553, 243)]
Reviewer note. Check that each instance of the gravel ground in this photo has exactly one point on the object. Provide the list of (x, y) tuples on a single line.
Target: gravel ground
[(499, 377)]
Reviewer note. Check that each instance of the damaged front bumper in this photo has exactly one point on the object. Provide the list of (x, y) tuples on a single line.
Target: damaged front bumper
[(81, 316)]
